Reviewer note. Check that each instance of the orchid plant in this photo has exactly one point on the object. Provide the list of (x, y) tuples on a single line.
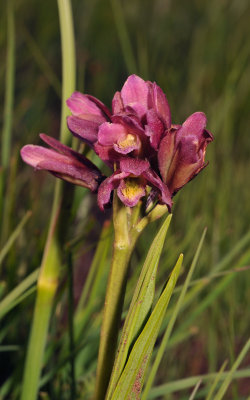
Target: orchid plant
[(150, 159)]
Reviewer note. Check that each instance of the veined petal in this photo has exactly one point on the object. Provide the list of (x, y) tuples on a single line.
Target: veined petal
[(188, 161), (64, 166), (135, 92), (107, 186), (85, 105), (117, 104), (161, 106), (55, 144), (134, 166), (166, 153), (119, 137), (154, 128), (194, 125), (157, 183), (109, 133), (83, 129)]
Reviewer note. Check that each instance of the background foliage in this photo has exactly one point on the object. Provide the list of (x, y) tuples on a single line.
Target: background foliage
[(199, 53)]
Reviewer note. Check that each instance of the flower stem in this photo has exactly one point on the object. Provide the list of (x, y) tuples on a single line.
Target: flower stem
[(114, 298)]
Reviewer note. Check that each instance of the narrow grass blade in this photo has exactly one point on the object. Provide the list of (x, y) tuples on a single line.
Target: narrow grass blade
[(170, 326), (230, 374), (140, 305), (9, 89), (51, 263), (6, 248), (131, 380), (14, 298), (187, 383), (89, 289), (195, 390), (123, 36), (215, 382)]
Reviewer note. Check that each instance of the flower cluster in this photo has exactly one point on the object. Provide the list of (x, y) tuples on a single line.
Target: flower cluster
[(147, 154)]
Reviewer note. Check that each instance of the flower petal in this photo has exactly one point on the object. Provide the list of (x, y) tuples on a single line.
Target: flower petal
[(135, 93), (134, 166), (157, 183), (64, 166), (194, 125), (55, 144), (161, 106), (107, 186), (109, 133), (87, 107), (166, 153), (83, 129), (154, 128), (117, 104)]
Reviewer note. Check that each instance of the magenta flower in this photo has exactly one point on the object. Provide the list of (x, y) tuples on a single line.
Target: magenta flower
[(148, 155), (64, 163)]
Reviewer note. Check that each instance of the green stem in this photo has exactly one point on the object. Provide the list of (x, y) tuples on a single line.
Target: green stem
[(8, 111), (114, 299), (50, 267), (126, 236), (9, 89)]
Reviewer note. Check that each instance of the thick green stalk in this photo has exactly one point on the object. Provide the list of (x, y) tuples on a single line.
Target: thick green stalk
[(9, 89), (50, 267), (68, 58), (127, 230), (114, 298), (8, 116)]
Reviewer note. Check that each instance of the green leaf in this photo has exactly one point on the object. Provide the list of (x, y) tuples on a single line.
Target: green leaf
[(140, 305), (171, 323), (131, 380)]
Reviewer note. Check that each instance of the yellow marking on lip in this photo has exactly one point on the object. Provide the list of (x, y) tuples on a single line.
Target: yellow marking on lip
[(132, 189), (129, 141)]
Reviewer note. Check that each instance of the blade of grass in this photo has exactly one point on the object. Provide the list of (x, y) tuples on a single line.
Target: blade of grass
[(195, 390), (6, 248), (216, 381), (9, 303), (123, 36), (9, 88), (187, 383), (50, 267), (99, 257), (170, 326), (209, 299), (42, 62), (229, 377), (8, 109)]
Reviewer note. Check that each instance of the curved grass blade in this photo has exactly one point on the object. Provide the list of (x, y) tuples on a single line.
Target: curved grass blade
[(195, 390), (6, 248), (229, 376), (216, 380), (174, 316), (187, 383), (131, 380)]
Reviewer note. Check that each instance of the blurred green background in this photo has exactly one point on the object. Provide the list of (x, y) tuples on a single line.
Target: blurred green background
[(199, 54)]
